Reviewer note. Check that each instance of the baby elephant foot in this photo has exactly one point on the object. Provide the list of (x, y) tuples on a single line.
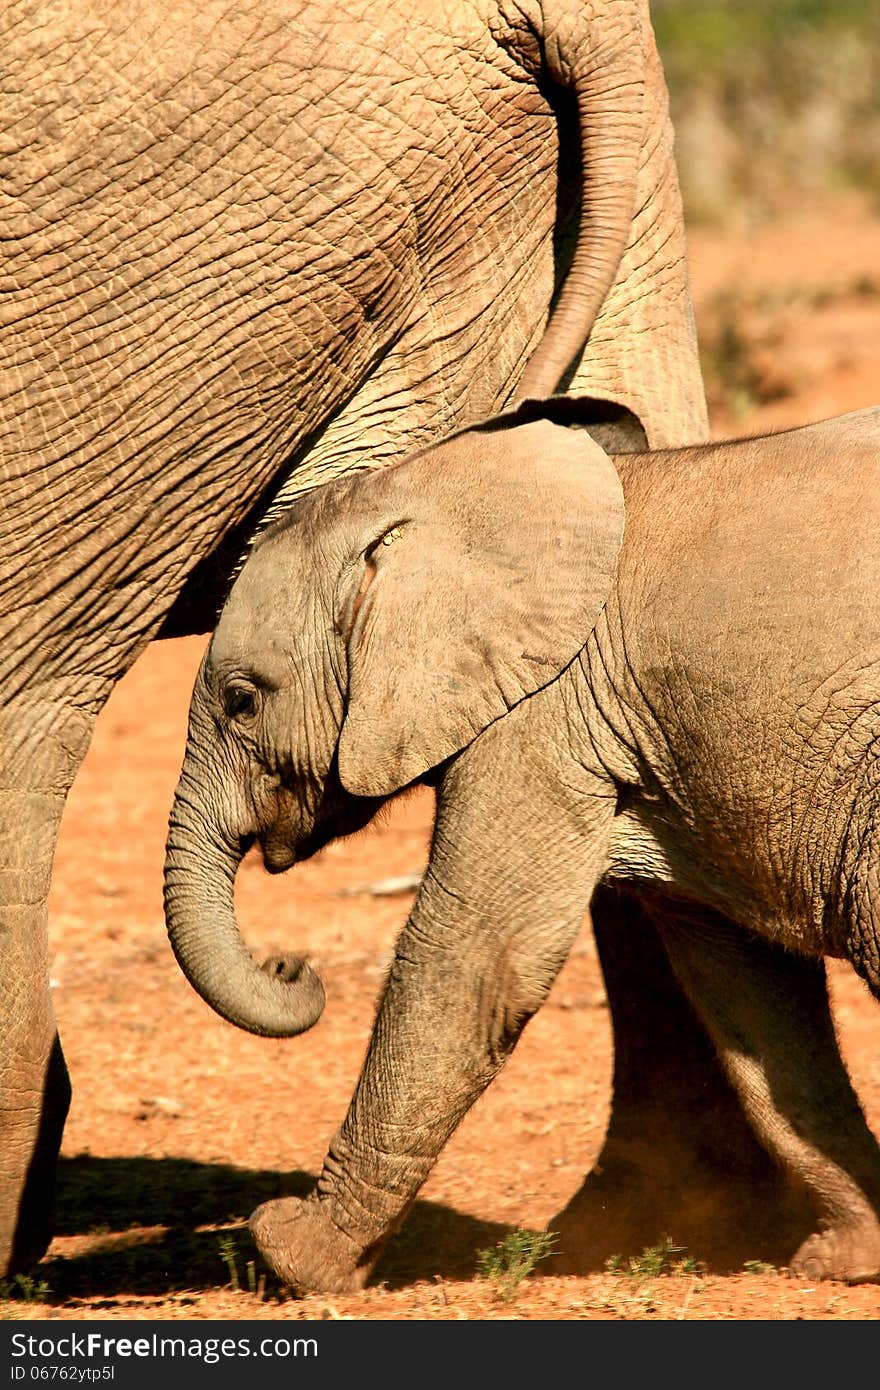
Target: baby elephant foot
[(848, 1253), (306, 1250)]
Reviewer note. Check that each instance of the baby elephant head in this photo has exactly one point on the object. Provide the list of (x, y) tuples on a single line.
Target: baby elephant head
[(370, 636)]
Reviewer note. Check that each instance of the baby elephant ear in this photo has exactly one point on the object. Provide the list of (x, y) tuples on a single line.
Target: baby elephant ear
[(494, 556)]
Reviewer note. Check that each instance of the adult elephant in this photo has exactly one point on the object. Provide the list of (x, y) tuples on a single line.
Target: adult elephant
[(244, 249)]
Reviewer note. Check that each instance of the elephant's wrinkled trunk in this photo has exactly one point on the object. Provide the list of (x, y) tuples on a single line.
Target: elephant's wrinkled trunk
[(277, 1001), (606, 73)]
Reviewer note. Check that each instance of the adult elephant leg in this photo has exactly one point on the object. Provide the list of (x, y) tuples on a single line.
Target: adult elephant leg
[(768, 1014), (41, 747), (492, 925), (680, 1158)]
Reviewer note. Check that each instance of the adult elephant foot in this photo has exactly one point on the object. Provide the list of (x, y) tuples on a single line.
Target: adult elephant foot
[(680, 1159), (41, 747), (306, 1249), (27, 1233), (34, 1100)]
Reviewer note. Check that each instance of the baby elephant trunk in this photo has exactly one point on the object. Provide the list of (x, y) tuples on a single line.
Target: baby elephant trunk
[(282, 998)]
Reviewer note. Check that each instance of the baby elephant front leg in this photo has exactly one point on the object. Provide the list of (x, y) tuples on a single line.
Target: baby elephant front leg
[(456, 1000), (307, 1249), (475, 961)]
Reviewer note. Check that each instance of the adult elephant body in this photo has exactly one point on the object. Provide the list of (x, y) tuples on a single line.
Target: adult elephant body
[(246, 250)]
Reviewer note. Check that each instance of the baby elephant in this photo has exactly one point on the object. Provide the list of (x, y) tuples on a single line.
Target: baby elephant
[(687, 718)]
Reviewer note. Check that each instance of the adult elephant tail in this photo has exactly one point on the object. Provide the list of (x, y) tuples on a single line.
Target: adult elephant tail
[(596, 51)]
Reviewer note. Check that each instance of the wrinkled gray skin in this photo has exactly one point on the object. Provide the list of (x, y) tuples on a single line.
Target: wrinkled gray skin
[(685, 724), (247, 249)]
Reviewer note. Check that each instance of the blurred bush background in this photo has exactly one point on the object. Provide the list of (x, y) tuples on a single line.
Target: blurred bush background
[(773, 101)]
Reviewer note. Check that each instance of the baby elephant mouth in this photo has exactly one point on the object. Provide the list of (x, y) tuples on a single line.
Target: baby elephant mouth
[(278, 854), (281, 850)]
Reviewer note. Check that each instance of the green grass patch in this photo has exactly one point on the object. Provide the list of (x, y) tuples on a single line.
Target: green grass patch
[(509, 1262), (664, 1258), (23, 1288)]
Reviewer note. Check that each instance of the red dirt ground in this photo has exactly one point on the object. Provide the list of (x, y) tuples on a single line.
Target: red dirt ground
[(180, 1124)]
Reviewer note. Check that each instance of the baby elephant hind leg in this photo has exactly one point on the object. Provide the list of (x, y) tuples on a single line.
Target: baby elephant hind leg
[(768, 1014), (680, 1160)]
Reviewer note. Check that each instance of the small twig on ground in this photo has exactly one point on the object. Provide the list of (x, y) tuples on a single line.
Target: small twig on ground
[(382, 887)]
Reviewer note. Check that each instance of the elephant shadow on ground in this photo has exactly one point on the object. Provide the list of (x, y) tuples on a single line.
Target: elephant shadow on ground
[(139, 1221), (139, 1228)]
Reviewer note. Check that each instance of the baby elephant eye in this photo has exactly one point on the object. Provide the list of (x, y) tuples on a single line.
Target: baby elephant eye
[(240, 701)]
